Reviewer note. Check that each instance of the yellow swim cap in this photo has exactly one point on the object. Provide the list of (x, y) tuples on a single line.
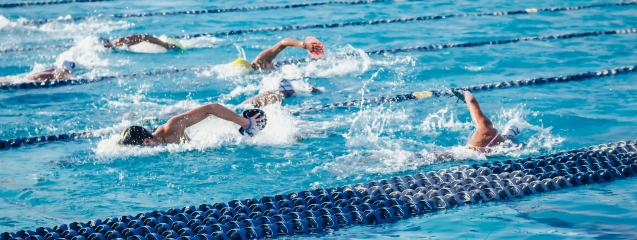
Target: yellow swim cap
[(242, 63)]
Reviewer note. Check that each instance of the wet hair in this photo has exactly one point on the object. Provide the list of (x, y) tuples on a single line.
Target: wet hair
[(134, 135)]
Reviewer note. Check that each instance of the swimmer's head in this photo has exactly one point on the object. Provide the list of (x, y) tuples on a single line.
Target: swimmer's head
[(69, 66), (242, 65), (134, 135), (104, 42), (254, 126)]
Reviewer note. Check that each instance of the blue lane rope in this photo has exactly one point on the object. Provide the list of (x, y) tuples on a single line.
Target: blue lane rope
[(385, 21), (65, 137), (35, 48), (29, 141), (26, 4), (434, 47), (207, 11), (323, 210), (475, 88)]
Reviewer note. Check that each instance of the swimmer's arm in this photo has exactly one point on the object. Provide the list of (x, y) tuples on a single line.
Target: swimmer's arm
[(481, 120), (197, 115), (135, 39), (270, 54)]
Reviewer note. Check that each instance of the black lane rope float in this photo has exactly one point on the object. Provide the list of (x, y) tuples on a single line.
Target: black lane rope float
[(370, 22), (475, 88), (30, 141), (434, 47), (324, 210), (207, 11), (26, 4)]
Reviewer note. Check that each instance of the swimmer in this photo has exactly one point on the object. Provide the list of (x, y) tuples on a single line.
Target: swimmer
[(135, 39), (264, 60), (485, 136), (285, 90), (483, 139), (54, 73), (174, 131)]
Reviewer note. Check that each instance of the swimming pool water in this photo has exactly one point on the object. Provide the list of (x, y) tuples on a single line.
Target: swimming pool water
[(77, 181)]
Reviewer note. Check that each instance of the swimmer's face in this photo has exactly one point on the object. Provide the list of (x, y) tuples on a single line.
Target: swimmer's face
[(149, 142)]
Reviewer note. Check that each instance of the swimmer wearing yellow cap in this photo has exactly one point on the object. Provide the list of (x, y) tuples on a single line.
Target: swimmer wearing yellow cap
[(264, 60)]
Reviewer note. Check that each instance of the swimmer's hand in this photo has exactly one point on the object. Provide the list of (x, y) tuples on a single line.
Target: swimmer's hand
[(312, 46), (458, 93), (256, 121)]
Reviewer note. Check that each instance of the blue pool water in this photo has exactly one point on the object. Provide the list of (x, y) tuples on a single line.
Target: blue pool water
[(77, 181)]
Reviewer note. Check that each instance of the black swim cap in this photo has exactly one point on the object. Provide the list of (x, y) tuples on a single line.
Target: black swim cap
[(134, 135), (260, 124)]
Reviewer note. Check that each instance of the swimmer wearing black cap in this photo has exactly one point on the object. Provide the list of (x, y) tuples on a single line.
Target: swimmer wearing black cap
[(174, 130), (135, 39), (55, 73)]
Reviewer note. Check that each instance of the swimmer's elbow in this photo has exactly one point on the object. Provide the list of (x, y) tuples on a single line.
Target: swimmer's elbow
[(213, 107)]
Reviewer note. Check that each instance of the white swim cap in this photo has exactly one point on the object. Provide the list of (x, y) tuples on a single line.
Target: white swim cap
[(69, 66), (511, 132), (285, 85)]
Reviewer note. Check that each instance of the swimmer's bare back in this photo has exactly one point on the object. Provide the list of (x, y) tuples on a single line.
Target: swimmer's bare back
[(485, 135), (265, 58), (50, 74)]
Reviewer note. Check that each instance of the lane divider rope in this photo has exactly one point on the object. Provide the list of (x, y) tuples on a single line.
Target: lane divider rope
[(434, 47), (324, 210), (374, 22), (30, 141), (206, 11), (26, 4), (475, 89)]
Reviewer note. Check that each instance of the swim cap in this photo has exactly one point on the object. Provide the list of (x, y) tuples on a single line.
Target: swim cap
[(69, 66), (134, 135), (176, 43), (285, 85), (242, 63), (255, 127), (511, 132)]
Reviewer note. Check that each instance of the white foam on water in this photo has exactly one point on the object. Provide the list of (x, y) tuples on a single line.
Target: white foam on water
[(83, 27), (202, 42), (146, 47), (376, 148), (6, 23), (87, 54)]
